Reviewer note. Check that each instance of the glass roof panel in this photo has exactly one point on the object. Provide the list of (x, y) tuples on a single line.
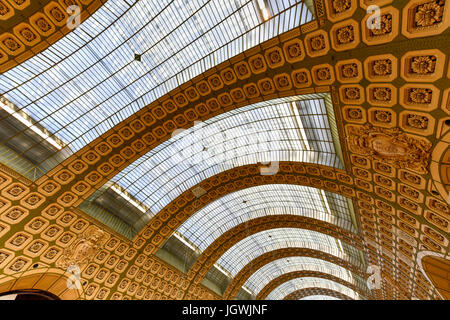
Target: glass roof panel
[(88, 81), (309, 282), (235, 258), (276, 268), (210, 222), (229, 140)]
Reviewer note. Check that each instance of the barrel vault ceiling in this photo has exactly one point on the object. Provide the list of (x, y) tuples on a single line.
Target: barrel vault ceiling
[(225, 149)]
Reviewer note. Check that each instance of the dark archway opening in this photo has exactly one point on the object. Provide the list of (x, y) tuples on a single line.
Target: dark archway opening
[(29, 294)]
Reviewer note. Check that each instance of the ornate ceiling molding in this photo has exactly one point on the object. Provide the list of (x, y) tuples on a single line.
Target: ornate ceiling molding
[(440, 164), (220, 90), (117, 269), (161, 227), (178, 211)]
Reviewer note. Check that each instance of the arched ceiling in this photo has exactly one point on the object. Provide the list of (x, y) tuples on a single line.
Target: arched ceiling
[(300, 267), (241, 232), (309, 292), (287, 289), (232, 139), (307, 271), (319, 297), (90, 81), (245, 273), (241, 178), (355, 112), (218, 217), (257, 244), (437, 270)]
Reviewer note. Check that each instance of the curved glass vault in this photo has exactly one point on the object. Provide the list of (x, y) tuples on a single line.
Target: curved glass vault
[(299, 131), (253, 246), (293, 285), (128, 54), (318, 297), (98, 169), (274, 269), (210, 222)]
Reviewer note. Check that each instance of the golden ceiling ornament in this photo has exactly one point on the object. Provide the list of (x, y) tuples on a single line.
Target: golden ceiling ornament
[(429, 13), (391, 145), (341, 5), (83, 248)]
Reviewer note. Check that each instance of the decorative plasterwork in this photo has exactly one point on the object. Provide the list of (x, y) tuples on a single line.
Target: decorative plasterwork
[(34, 33), (345, 35), (391, 146)]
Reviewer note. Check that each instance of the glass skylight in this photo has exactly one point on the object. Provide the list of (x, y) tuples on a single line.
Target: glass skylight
[(210, 222), (89, 81), (264, 132), (276, 268), (235, 258), (293, 285)]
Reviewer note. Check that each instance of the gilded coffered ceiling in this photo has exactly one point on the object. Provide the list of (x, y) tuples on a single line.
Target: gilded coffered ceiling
[(381, 96), (29, 27)]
